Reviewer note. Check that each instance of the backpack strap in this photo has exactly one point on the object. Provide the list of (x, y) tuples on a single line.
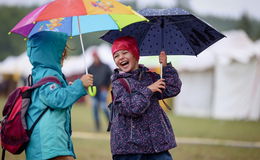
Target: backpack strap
[(37, 120), (38, 84), (126, 85), (3, 154), (46, 80), (29, 80)]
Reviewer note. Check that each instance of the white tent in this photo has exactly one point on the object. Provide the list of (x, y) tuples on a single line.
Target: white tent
[(16, 65), (223, 82), (72, 65), (196, 73), (237, 80)]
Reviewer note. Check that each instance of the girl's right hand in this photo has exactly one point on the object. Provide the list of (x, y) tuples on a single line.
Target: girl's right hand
[(87, 80), (163, 58), (157, 86)]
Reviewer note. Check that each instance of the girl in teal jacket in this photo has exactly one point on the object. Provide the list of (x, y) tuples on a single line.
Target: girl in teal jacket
[(51, 137)]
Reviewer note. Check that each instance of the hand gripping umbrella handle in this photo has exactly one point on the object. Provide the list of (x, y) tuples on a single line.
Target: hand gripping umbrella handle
[(92, 91)]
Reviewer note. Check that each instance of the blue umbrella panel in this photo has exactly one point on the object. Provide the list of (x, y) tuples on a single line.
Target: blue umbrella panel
[(69, 25)]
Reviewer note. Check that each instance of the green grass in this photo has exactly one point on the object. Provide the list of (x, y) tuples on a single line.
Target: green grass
[(183, 126), (207, 152), (219, 129), (99, 149)]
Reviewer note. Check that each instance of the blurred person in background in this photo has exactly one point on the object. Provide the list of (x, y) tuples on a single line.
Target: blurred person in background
[(102, 73)]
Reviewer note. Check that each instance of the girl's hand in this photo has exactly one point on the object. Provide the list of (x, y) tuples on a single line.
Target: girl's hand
[(157, 86), (87, 80), (163, 58)]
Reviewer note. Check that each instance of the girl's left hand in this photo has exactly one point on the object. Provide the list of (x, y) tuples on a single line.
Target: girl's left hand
[(87, 80), (163, 58), (157, 86)]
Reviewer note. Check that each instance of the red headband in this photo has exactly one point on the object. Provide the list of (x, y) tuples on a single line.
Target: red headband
[(126, 43)]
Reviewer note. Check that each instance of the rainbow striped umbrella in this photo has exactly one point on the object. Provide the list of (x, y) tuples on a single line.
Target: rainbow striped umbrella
[(75, 17)]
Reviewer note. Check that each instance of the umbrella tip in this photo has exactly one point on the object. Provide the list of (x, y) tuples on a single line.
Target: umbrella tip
[(25, 39), (34, 22), (9, 33), (71, 37)]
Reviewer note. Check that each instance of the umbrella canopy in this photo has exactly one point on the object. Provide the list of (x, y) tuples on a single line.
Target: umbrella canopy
[(77, 16), (175, 31)]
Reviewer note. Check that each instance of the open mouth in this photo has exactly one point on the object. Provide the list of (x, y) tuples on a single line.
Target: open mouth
[(125, 63)]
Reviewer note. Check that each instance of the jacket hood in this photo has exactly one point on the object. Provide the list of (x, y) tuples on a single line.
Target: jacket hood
[(136, 74), (45, 49)]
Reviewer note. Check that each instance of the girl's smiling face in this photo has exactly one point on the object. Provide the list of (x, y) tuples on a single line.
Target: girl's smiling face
[(125, 61)]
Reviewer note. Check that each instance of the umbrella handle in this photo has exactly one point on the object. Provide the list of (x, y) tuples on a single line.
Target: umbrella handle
[(92, 91), (161, 70)]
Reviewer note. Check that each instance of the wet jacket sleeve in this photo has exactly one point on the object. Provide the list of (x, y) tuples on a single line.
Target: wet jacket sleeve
[(172, 80), (57, 97), (131, 104)]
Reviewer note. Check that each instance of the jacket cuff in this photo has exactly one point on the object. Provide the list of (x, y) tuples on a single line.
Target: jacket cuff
[(147, 92), (78, 84), (169, 68)]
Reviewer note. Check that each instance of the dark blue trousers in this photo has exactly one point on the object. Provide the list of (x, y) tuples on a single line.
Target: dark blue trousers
[(156, 156)]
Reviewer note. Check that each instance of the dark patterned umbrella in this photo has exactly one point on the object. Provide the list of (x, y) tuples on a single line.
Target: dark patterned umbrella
[(175, 31)]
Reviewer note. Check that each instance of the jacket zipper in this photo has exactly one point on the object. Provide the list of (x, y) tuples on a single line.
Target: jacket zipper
[(165, 126), (131, 134)]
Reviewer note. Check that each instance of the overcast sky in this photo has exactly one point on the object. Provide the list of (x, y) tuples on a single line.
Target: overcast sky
[(224, 8)]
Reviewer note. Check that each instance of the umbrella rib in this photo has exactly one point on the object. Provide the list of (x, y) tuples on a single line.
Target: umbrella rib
[(186, 40), (71, 26), (145, 33), (187, 20)]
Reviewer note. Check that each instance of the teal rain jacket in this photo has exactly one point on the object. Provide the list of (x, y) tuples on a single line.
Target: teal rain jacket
[(51, 136)]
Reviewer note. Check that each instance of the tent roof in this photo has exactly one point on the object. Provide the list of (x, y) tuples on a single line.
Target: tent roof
[(16, 64), (257, 48), (72, 65), (236, 46)]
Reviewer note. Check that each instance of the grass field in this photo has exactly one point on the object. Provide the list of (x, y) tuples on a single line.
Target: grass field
[(99, 149)]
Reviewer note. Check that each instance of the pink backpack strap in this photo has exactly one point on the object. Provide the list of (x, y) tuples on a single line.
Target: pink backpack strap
[(46, 80), (125, 84)]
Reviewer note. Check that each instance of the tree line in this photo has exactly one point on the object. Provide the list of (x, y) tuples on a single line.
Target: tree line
[(15, 44)]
